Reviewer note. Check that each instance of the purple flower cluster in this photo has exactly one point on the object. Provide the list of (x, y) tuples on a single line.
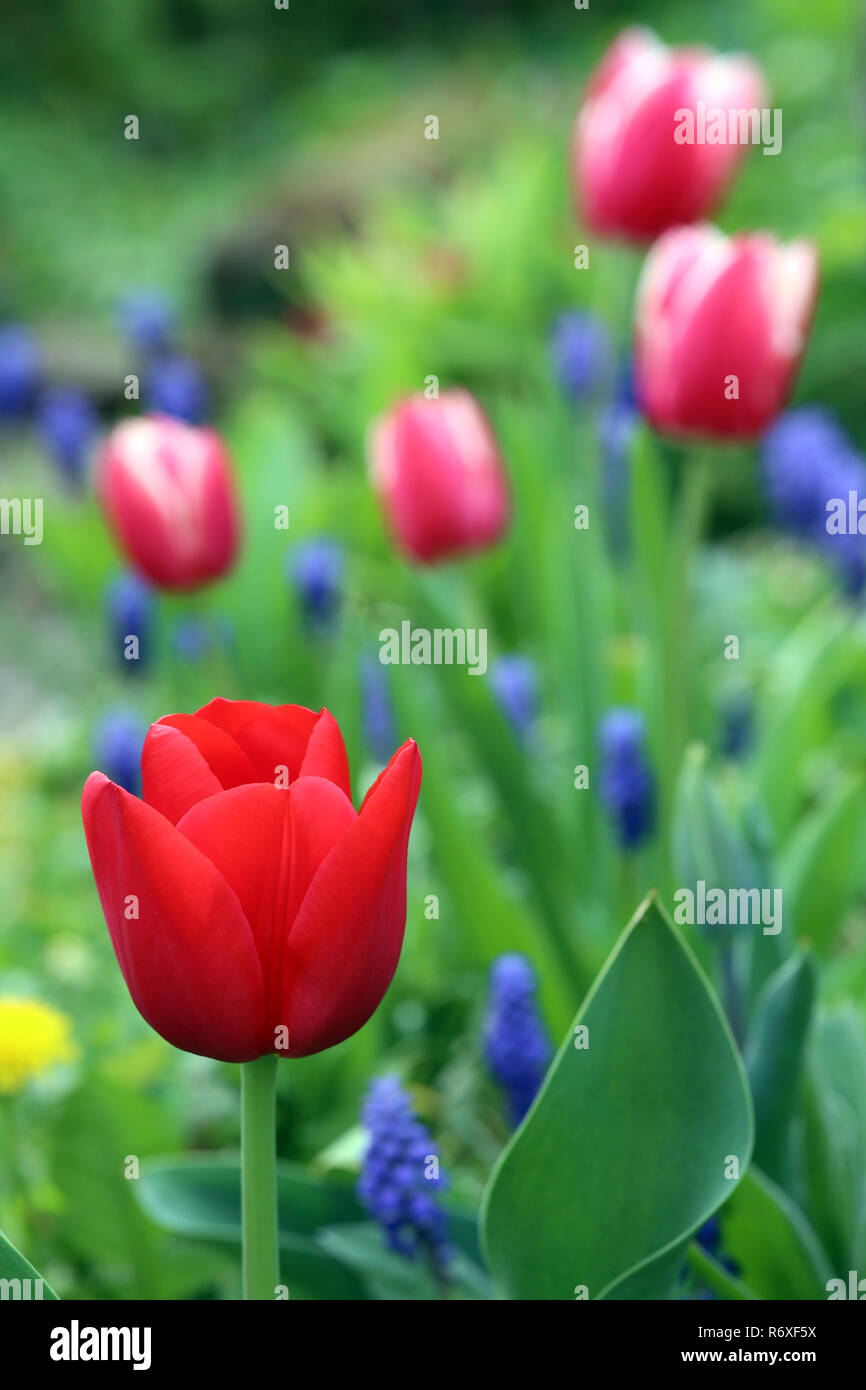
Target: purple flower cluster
[(514, 680), (582, 354), (627, 785), (808, 461), (516, 1044), (400, 1176), (117, 747), (129, 602), (316, 571)]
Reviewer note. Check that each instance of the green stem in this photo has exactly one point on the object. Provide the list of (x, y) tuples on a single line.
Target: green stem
[(259, 1178), (678, 680)]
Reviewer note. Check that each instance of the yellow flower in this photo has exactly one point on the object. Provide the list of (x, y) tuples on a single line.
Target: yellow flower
[(33, 1037)]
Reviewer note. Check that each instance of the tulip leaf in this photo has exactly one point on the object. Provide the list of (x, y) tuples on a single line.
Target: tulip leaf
[(777, 1254), (638, 1134), (822, 870), (390, 1275), (201, 1198), (835, 1136), (774, 1058), (26, 1283), (707, 845)]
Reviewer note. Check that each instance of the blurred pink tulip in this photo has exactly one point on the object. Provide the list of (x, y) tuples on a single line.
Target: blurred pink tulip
[(437, 469), (721, 325), (166, 488), (632, 178)]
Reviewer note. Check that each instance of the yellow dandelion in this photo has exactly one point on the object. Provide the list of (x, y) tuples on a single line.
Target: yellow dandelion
[(33, 1037)]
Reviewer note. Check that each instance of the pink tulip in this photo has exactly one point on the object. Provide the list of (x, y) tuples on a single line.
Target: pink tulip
[(438, 472), (632, 177), (166, 488), (721, 325)]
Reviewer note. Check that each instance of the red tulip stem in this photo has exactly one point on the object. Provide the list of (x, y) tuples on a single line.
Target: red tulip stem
[(261, 1266)]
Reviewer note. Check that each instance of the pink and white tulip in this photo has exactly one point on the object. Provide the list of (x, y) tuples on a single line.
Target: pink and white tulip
[(438, 472), (168, 494), (632, 178), (721, 326)]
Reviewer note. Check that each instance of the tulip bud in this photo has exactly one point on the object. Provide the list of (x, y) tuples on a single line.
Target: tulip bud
[(168, 494), (632, 177), (721, 325), (436, 466)]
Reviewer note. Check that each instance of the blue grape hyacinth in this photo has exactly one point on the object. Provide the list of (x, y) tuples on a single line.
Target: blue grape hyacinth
[(400, 1177), (147, 318), (582, 354), (807, 461), (176, 386), (19, 371), (117, 746), (514, 681), (516, 1044), (129, 603), (315, 569), (627, 785), (377, 715), (67, 422)]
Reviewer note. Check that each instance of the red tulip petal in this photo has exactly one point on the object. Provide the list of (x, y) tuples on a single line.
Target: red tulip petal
[(272, 736), (228, 763), (346, 940), (326, 754), (174, 774), (189, 960), (231, 715), (268, 843)]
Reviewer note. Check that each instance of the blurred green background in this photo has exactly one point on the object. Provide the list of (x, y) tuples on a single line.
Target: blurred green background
[(408, 257)]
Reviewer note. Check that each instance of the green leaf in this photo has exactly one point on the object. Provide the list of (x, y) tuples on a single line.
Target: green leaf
[(777, 1253), (624, 1152), (389, 1275), (774, 1058), (707, 845), (835, 1136), (200, 1198), (822, 869), (14, 1266)]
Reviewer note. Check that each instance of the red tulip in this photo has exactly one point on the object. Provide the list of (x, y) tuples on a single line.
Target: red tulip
[(437, 468), (167, 490), (251, 909), (631, 176), (721, 326)]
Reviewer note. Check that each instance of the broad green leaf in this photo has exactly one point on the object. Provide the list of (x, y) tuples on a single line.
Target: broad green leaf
[(777, 1253), (389, 1275), (822, 869), (774, 1057), (200, 1198), (27, 1283), (625, 1152)]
